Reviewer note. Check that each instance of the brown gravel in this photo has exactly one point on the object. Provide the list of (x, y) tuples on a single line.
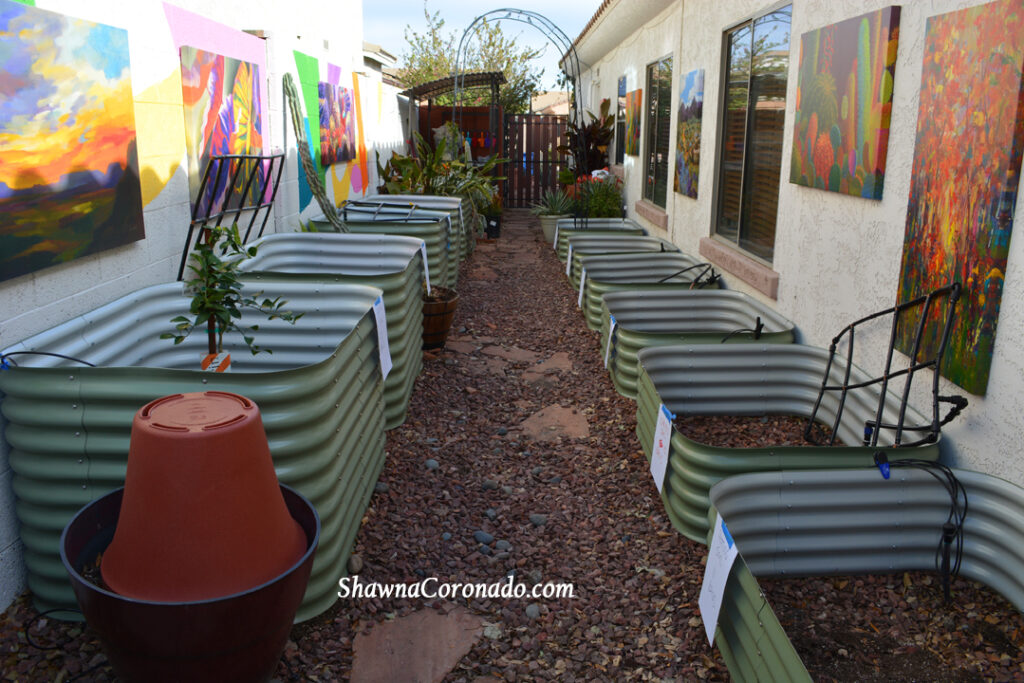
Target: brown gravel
[(637, 581)]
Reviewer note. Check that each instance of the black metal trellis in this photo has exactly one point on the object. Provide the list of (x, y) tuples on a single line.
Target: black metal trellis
[(570, 65), (872, 428), (261, 176)]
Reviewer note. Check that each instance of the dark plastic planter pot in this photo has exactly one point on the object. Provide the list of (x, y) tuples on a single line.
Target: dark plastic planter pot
[(235, 638), (493, 226)]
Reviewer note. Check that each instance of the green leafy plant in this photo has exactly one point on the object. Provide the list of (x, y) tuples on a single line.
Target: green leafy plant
[(593, 138), (553, 203), (598, 198), (217, 297)]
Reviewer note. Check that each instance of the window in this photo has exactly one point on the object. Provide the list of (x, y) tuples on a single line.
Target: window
[(754, 107), (620, 124), (659, 115)]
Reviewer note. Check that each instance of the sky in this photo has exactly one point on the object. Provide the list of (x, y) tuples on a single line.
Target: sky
[(384, 23)]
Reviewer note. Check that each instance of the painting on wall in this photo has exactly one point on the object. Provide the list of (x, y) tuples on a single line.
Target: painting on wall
[(633, 102), (337, 124), (691, 107), (69, 175), (963, 187), (844, 101), (221, 98)]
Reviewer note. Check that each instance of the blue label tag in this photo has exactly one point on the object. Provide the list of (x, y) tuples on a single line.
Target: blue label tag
[(671, 416), (728, 536)]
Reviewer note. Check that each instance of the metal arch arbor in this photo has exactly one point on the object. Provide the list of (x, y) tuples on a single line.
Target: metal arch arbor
[(569, 58)]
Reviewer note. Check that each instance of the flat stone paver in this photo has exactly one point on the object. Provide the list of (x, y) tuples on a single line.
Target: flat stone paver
[(419, 648), (554, 422), (514, 354)]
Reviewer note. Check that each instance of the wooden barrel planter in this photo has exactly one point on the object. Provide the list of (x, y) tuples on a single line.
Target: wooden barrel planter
[(755, 380), (849, 522), (438, 314)]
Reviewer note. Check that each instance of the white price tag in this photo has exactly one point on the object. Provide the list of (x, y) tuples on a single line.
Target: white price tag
[(382, 337), (426, 266), (568, 262), (662, 441), (583, 282), (555, 243), (721, 555), (611, 336)]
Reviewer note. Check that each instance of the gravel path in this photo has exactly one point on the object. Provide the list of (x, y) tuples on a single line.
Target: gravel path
[(518, 458)]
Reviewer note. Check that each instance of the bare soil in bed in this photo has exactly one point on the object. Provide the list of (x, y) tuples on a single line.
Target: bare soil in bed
[(637, 580), (746, 431)]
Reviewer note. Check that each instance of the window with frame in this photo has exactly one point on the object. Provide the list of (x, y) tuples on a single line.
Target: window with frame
[(620, 124), (754, 109), (659, 133)]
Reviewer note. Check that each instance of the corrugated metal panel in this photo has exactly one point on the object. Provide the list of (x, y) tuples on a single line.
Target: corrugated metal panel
[(390, 262), (320, 395), (394, 206), (636, 272), (752, 379), (569, 227), (444, 269), (820, 522), (461, 212), (584, 246), (665, 317)]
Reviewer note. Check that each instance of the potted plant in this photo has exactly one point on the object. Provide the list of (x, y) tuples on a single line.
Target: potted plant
[(195, 569), (217, 297), (597, 197), (553, 204), (492, 217)]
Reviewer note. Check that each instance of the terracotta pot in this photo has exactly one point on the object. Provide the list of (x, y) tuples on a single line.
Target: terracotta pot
[(203, 516), (238, 637)]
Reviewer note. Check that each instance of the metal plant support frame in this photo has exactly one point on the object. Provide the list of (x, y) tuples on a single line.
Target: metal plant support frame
[(951, 294), (570, 60), (228, 169)]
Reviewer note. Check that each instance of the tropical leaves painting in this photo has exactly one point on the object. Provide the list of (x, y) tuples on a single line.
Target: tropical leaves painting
[(337, 124), (843, 104), (633, 101), (222, 116)]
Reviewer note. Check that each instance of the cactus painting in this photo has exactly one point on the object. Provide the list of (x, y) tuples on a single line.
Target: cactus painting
[(843, 104)]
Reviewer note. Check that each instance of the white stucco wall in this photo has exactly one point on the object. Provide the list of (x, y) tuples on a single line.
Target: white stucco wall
[(41, 300), (837, 257)]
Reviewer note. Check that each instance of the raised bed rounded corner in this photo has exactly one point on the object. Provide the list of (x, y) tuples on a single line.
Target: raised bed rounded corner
[(568, 227), (667, 316), (753, 379), (849, 522), (457, 207), (319, 393), (392, 263), (585, 246)]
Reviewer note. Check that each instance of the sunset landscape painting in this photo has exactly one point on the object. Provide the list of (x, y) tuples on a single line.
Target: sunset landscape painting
[(69, 181)]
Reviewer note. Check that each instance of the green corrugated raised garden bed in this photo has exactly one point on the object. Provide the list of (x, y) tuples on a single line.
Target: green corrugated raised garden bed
[(319, 392), (570, 227), (668, 317), (583, 246)]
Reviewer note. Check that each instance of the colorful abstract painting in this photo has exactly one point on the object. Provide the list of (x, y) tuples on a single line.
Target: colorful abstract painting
[(222, 116), (633, 101), (69, 170), (844, 101), (963, 186), (691, 107), (337, 124)]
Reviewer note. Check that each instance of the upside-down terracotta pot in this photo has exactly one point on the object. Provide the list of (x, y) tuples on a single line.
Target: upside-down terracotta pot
[(202, 515), (208, 555)]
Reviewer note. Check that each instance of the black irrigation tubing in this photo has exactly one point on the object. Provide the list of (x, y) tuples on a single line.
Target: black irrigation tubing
[(4, 357)]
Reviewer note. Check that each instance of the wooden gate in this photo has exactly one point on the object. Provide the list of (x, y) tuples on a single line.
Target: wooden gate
[(531, 141)]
